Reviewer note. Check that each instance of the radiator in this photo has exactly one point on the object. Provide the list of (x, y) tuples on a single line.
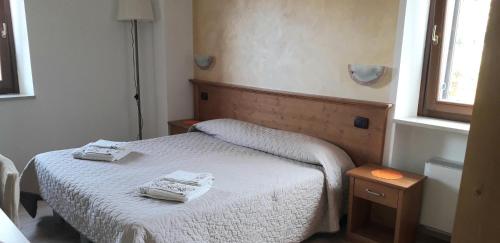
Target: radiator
[(440, 194)]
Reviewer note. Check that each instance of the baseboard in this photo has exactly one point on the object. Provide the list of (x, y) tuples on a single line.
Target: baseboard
[(433, 232)]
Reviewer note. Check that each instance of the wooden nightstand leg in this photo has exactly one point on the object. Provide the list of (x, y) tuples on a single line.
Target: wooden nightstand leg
[(408, 214), (349, 212), (359, 212)]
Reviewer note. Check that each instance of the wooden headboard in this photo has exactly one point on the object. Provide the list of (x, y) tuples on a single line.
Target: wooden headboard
[(331, 119)]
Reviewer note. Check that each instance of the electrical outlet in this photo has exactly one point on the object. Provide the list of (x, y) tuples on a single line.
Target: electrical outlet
[(204, 96), (361, 122)]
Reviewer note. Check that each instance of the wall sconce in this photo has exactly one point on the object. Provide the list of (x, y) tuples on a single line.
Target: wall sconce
[(366, 74), (204, 62)]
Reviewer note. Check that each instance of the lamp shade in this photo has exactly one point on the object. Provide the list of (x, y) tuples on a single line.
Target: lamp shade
[(135, 10)]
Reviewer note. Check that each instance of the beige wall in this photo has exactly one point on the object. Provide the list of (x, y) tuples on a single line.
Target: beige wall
[(296, 45)]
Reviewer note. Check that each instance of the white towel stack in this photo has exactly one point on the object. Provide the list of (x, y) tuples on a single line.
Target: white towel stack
[(181, 186), (102, 150)]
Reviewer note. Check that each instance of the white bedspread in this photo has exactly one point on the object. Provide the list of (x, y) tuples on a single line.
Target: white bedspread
[(257, 197)]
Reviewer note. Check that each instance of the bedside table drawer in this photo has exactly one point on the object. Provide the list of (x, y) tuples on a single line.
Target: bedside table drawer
[(376, 193)]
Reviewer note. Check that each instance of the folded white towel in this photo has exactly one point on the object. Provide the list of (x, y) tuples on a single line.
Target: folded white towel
[(101, 143), (101, 150), (189, 178), (172, 191)]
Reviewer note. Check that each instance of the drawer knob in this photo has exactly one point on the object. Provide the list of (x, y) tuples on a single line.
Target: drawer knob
[(377, 194)]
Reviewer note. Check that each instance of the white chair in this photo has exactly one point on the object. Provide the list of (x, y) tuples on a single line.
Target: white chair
[(9, 188)]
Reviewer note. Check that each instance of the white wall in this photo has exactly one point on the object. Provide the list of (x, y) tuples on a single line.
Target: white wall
[(167, 64), (179, 65), (79, 64), (414, 33), (413, 146)]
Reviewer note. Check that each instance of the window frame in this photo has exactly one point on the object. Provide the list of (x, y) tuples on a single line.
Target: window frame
[(429, 105), (10, 84)]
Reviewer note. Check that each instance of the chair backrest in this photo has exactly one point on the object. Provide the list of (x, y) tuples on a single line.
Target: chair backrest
[(9, 188)]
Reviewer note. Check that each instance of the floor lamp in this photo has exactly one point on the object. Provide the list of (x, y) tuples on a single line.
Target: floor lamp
[(134, 11)]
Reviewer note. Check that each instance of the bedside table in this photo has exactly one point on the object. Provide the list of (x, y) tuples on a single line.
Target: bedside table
[(382, 210), (180, 126)]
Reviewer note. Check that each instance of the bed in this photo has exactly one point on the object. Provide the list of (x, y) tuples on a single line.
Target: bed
[(270, 185)]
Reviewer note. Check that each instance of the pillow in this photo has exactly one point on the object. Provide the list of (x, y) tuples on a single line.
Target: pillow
[(281, 143)]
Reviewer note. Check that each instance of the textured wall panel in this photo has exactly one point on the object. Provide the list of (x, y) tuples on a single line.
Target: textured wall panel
[(296, 45)]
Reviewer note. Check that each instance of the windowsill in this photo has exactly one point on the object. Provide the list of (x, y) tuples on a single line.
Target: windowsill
[(433, 123), (5, 97)]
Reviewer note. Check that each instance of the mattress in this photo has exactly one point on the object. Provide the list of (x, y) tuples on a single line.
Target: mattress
[(256, 197)]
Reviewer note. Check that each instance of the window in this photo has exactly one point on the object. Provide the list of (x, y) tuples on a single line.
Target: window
[(454, 47), (8, 72)]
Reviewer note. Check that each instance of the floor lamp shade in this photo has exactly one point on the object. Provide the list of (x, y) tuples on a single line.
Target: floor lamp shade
[(135, 10)]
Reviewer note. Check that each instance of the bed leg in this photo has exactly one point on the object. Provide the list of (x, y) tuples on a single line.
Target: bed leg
[(58, 217), (84, 239)]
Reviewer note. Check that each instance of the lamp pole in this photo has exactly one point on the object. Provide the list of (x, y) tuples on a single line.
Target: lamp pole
[(137, 95), (135, 11)]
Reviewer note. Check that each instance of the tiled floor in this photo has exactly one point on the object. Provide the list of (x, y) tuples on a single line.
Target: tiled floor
[(46, 228)]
